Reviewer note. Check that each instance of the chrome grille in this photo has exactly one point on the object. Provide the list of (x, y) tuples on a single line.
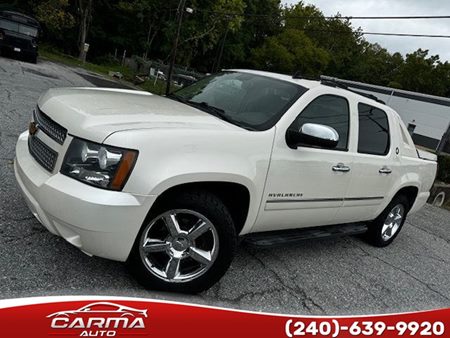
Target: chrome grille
[(42, 153), (50, 127)]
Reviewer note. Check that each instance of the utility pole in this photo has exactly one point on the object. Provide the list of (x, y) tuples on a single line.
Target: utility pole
[(180, 12), (219, 59)]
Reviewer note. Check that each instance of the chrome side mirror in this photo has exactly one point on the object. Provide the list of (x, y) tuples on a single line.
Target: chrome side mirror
[(313, 134)]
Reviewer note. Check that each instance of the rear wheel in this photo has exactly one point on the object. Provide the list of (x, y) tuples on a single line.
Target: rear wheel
[(186, 246), (383, 230)]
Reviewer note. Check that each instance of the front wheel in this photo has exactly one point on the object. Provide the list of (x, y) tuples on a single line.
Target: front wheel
[(383, 230), (186, 246)]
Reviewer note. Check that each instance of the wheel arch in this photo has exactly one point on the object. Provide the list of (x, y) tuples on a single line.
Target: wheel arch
[(410, 192), (235, 196)]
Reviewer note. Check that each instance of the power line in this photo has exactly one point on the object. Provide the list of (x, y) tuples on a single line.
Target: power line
[(411, 17), (349, 17), (409, 35), (377, 33)]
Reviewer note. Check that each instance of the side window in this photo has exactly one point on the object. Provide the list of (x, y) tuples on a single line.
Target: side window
[(329, 110), (373, 130)]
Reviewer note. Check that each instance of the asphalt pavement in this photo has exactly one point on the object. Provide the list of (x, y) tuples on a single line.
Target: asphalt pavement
[(334, 276)]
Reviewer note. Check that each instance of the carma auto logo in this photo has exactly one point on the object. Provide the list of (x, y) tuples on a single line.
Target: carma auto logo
[(101, 319)]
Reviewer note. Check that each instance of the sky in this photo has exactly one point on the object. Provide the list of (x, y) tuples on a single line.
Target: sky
[(403, 45)]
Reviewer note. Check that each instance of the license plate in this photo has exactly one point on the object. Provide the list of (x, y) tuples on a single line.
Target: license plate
[(17, 49)]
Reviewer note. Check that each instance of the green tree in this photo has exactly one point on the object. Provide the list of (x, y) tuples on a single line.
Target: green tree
[(425, 74), (291, 51), (55, 16), (335, 35), (262, 19)]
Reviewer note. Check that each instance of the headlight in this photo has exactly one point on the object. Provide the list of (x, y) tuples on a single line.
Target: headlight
[(99, 165)]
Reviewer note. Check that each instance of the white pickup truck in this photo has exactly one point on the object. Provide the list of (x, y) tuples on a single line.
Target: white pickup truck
[(169, 184)]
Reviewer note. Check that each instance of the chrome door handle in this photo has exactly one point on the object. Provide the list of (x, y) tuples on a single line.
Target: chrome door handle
[(385, 170), (341, 168)]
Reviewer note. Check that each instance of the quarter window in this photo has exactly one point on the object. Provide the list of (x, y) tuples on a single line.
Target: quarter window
[(373, 130), (329, 110)]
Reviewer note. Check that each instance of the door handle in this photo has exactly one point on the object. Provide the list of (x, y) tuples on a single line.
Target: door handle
[(385, 170), (341, 168)]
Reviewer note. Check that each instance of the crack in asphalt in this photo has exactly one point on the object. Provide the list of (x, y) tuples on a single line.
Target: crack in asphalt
[(429, 232), (296, 291), (8, 94), (428, 286), (374, 283)]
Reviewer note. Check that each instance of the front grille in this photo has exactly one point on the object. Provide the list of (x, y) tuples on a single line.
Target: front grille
[(50, 127), (42, 153)]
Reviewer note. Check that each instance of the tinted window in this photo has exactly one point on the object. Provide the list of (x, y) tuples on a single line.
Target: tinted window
[(245, 99), (329, 110), (373, 130), (18, 28)]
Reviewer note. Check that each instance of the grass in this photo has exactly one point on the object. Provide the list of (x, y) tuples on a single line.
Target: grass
[(55, 56), (48, 53)]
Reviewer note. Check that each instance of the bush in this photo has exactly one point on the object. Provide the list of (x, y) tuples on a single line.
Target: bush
[(443, 173)]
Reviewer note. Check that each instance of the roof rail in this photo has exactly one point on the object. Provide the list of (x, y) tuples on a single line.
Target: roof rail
[(298, 75), (335, 82)]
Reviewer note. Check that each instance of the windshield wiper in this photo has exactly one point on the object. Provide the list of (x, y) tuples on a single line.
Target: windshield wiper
[(177, 98), (220, 113)]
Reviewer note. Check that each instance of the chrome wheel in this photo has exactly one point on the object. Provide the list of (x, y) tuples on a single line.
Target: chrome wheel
[(393, 222), (179, 245)]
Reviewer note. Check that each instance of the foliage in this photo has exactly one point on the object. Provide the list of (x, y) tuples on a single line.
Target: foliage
[(259, 34), (55, 16), (291, 50)]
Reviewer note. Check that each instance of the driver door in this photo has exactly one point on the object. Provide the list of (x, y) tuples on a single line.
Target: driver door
[(306, 185)]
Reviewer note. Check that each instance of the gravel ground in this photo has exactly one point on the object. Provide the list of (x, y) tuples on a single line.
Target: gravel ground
[(335, 276)]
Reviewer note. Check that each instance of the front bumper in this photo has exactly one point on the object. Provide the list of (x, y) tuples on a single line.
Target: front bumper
[(99, 222)]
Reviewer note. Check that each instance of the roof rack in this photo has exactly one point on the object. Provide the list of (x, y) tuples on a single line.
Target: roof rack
[(298, 75), (334, 82)]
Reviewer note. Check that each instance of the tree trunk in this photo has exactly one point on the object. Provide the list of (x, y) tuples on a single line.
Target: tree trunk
[(84, 7)]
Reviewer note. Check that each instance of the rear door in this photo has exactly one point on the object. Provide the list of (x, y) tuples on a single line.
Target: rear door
[(375, 164)]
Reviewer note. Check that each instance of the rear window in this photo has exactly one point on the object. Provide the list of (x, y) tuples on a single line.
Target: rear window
[(373, 130), (18, 28)]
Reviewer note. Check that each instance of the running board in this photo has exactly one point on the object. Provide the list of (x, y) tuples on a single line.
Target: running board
[(287, 237)]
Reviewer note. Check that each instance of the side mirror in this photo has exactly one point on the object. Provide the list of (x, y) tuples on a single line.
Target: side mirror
[(313, 134)]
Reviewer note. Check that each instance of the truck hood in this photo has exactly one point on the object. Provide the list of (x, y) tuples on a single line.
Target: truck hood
[(96, 113)]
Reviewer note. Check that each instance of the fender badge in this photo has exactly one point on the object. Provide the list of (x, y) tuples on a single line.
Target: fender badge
[(33, 128)]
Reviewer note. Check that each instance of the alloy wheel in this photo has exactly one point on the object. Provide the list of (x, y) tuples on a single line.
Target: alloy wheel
[(393, 222), (179, 245)]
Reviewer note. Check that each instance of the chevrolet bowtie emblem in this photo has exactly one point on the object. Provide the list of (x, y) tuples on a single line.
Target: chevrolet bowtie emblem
[(32, 128)]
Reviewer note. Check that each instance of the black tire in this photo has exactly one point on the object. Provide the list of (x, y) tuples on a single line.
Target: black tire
[(209, 206), (374, 235), (33, 59)]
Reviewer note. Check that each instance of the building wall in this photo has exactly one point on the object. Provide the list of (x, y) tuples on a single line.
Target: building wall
[(431, 120)]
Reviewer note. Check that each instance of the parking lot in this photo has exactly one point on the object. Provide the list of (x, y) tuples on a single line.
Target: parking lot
[(336, 276)]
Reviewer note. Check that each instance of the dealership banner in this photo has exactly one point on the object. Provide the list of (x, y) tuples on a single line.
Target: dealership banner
[(85, 316)]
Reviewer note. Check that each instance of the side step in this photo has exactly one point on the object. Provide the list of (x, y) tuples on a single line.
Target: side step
[(288, 237)]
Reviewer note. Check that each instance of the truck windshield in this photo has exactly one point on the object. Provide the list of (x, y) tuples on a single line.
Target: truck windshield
[(251, 101), (18, 28)]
